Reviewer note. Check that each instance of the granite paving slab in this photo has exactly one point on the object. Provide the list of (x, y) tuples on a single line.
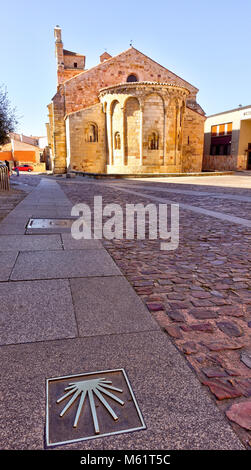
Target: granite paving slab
[(36, 311), (16, 219), (24, 243), (7, 261), (177, 410), (63, 264), (43, 204), (69, 243), (49, 213), (13, 227), (116, 309), (21, 211)]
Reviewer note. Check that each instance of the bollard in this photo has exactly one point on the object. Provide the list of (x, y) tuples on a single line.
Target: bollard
[(4, 178)]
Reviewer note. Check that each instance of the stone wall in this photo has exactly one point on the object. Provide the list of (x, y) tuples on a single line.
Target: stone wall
[(87, 156), (50, 127), (141, 169), (82, 91), (132, 131), (66, 74), (39, 167), (149, 118), (193, 141), (153, 125), (71, 58), (59, 136), (219, 162)]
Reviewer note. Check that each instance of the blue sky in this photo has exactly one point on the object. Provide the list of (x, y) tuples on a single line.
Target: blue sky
[(205, 42)]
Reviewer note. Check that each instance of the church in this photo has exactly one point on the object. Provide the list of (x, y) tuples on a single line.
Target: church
[(127, 115)]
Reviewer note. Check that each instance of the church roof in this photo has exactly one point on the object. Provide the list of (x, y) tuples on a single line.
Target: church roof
[(65, 52), (125, 52)]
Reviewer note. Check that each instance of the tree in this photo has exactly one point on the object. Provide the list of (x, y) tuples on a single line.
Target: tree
[(8, 119)]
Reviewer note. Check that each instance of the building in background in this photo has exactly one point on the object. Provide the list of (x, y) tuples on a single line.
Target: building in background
[(26, 150), (126, 115), (227, 140)]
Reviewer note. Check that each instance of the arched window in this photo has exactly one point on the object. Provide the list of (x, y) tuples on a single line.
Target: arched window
[(132, 78), (91, 133), (117, 141), (153, 141)]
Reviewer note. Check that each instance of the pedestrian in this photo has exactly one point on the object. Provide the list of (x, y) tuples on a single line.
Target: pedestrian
[(8, 166)]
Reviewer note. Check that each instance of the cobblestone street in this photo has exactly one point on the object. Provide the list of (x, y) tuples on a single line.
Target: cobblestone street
[(199, 293)]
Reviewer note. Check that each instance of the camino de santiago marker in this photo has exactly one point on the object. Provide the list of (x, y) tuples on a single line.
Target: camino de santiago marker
[(43, 225), (90, 405)]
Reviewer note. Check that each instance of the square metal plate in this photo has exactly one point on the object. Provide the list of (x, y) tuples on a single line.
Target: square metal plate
[(49, 223), (90, 405), (43, 225)]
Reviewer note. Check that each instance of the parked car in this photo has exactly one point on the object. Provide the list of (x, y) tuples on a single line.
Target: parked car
[(23, 168)]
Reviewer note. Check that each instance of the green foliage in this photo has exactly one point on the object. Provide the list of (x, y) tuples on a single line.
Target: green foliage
[(8, 119)]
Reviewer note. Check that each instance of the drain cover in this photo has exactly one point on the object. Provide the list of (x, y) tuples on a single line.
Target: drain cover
[(90, 405), (36, 225)]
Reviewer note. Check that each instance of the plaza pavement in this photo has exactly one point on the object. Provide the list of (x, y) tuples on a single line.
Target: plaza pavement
[(66, 308), (200, 292)]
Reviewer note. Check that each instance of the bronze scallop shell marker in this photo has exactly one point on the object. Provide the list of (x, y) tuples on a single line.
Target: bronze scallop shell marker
[(92, 405)]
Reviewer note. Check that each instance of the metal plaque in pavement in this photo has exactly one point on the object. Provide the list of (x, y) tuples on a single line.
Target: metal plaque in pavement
[(49, 223), (90, 405), (43, 225)]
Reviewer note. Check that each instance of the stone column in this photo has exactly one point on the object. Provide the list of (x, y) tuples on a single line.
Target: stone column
[(176, 131), (109, 136), (164, 134), (179, 134), (141, 135), (59, 134), (123, 136)]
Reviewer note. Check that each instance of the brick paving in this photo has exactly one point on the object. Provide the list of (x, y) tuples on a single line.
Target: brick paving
[(199, 293)]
